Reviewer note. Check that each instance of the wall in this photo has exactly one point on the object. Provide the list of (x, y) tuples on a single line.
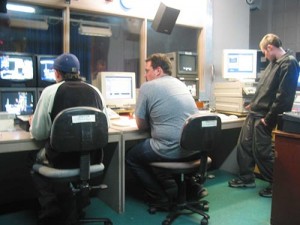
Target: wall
[(230, 30), (192, 12), (225, 25), (281, 17)]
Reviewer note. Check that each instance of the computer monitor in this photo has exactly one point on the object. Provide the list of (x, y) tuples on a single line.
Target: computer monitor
[(184, 64), (18, 101), (118, 89), (239, 64), (17, 70), (298, 84), (45, 70)]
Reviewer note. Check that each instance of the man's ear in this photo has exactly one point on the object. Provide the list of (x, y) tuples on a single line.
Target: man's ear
[(57, 75)]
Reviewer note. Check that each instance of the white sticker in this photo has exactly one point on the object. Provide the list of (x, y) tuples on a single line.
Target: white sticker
[(209, 123), (83, 118)]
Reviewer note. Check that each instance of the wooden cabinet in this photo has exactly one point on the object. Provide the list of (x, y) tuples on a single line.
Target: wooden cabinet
[(286, 186)]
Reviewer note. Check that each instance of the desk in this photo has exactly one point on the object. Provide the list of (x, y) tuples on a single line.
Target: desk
[(17, 146), (20, 142), (286, 195)]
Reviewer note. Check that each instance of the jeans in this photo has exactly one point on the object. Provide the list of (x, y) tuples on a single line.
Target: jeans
[(154, 183)]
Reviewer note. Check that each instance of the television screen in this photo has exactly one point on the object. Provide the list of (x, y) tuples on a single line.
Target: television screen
[(18, 101), (17, 70), (45, 70), (298, 85), (118, 89), (187, 63), (239, 64)]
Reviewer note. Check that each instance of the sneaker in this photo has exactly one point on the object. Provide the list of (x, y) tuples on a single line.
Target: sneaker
[(266, 192), (239, 183)]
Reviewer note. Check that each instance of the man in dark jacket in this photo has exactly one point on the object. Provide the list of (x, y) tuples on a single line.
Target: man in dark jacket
[(274, 95)]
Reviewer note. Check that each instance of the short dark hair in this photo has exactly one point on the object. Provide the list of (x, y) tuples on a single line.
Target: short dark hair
[(160, 60)]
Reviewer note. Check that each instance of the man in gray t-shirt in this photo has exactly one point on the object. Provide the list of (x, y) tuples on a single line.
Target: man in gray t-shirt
[(163, 105)]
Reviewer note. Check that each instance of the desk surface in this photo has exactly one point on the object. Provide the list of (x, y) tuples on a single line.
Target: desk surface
[(129, 125), (21, 140)]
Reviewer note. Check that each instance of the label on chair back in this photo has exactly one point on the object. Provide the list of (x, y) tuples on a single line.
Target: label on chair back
[(83, 118), (209, 123)]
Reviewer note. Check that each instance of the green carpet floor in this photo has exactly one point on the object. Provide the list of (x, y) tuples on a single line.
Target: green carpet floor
[(228, 206)]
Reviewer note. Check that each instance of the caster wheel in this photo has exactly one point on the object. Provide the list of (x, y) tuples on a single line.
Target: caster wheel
[(108, 223), (205, 208), (166, 222), (204, 221), (152, 210)]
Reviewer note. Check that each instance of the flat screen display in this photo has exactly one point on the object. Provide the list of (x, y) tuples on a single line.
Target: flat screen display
[(17, 70)]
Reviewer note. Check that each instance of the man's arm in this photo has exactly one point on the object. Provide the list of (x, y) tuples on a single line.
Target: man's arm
[(142, 124)]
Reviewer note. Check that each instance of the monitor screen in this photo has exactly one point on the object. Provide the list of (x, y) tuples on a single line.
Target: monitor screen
[(239, 64), (45, 70), (118, 89), (17, 70), (186, 63), (18, 101), (298, 84)]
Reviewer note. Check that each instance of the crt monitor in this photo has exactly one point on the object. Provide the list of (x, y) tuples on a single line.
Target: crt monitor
[(118, 89), (186, 63), (18, 101), (17, 70), (45, 70), (239, 64), (298, 84)]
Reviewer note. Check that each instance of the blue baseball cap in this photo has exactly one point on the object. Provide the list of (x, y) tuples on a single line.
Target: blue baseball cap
[(67, 63)]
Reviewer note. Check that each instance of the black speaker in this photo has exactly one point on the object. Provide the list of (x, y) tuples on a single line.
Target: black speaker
[(165, 19), (3, 6)]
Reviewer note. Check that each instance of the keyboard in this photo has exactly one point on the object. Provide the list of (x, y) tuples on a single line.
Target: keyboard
[(121, 123), (112, 114), (24, 118)]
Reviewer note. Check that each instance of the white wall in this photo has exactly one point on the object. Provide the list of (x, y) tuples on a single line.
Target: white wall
[(230, 29), (192, 12)]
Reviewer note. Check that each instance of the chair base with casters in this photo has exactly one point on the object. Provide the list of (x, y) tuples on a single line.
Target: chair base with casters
[(198, 137), (181, 205), (79, 189)]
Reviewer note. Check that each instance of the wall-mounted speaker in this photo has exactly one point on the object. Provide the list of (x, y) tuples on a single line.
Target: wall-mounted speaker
[(165, 19), (3, 6)]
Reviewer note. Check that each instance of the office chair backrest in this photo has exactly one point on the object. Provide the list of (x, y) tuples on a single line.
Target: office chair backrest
[(79, 129), (200, 133)]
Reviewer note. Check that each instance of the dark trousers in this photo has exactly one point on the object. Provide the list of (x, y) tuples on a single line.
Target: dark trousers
[(255, 147), (57, 202), (154, 182)]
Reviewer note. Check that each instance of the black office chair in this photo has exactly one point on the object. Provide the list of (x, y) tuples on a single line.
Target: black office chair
[(81, 130), (199, 134)]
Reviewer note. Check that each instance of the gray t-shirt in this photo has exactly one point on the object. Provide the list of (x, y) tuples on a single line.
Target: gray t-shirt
[(165, 103)]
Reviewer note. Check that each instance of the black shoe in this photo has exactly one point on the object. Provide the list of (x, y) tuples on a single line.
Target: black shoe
[(239, 183), (266, 192)]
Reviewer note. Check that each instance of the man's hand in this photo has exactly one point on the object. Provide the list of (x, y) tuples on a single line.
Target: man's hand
[(263, 121)]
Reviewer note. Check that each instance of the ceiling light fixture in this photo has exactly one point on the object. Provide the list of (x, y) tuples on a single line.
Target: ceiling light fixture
[(95, 31), (30, 24), (20, 8)]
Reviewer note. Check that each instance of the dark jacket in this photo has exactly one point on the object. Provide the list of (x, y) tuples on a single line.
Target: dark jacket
[(276, 89)]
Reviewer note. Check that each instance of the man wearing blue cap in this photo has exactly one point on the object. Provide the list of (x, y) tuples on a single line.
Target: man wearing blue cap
[(69, 91)]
